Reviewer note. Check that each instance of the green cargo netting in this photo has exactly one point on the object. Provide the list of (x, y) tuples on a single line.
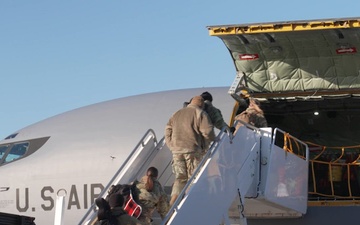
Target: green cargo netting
[(295, 56)]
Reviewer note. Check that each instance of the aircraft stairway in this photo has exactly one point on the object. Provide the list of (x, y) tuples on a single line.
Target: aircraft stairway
[(250, 175), (148, 152)]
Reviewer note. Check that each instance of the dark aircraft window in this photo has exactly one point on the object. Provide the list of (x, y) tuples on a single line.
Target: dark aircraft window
[(11, 136), (17, 151), (3, 151)]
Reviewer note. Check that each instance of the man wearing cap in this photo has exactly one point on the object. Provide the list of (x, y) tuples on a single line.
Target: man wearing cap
[(188, 135), (214, 113)]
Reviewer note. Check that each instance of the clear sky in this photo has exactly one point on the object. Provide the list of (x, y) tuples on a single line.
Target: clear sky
[(59, 55)]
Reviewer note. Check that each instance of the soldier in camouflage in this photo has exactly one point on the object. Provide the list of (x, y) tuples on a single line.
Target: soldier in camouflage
[(151, 196), (188, 135), (213, 112), (252, 115)]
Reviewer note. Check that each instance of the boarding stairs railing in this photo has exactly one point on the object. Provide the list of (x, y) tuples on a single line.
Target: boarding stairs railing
[(283, 187), (148, 152), (215, 184), (237, 170)]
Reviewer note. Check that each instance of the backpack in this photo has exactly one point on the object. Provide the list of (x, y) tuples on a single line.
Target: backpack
[(124, 190), (131, 198)]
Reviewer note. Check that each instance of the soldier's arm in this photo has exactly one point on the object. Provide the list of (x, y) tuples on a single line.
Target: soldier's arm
[(207, 129), (219, 120), (163, 205), (168, 132)]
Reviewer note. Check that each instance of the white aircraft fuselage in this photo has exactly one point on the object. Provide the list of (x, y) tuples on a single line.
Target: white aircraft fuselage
[(86, 146)]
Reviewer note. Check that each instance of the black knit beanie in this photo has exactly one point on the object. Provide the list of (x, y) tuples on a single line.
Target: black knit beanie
[(206, 96)]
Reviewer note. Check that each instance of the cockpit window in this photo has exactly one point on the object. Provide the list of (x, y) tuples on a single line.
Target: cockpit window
[(16, 151), (3, 151)]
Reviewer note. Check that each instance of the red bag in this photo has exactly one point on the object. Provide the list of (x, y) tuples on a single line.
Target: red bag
[(131, 207)]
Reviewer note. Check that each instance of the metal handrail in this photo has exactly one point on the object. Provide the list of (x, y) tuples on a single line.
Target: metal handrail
[(115, 179), (207, 156), (287, 135)]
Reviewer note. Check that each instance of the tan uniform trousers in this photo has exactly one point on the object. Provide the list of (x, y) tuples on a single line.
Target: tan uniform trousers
[(184, 165)]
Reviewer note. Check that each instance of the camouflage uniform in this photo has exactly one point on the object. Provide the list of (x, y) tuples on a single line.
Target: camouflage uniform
[(256, 118), (149, 201), (183, 166), (215, 115), (252, 115), (188, 135)]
